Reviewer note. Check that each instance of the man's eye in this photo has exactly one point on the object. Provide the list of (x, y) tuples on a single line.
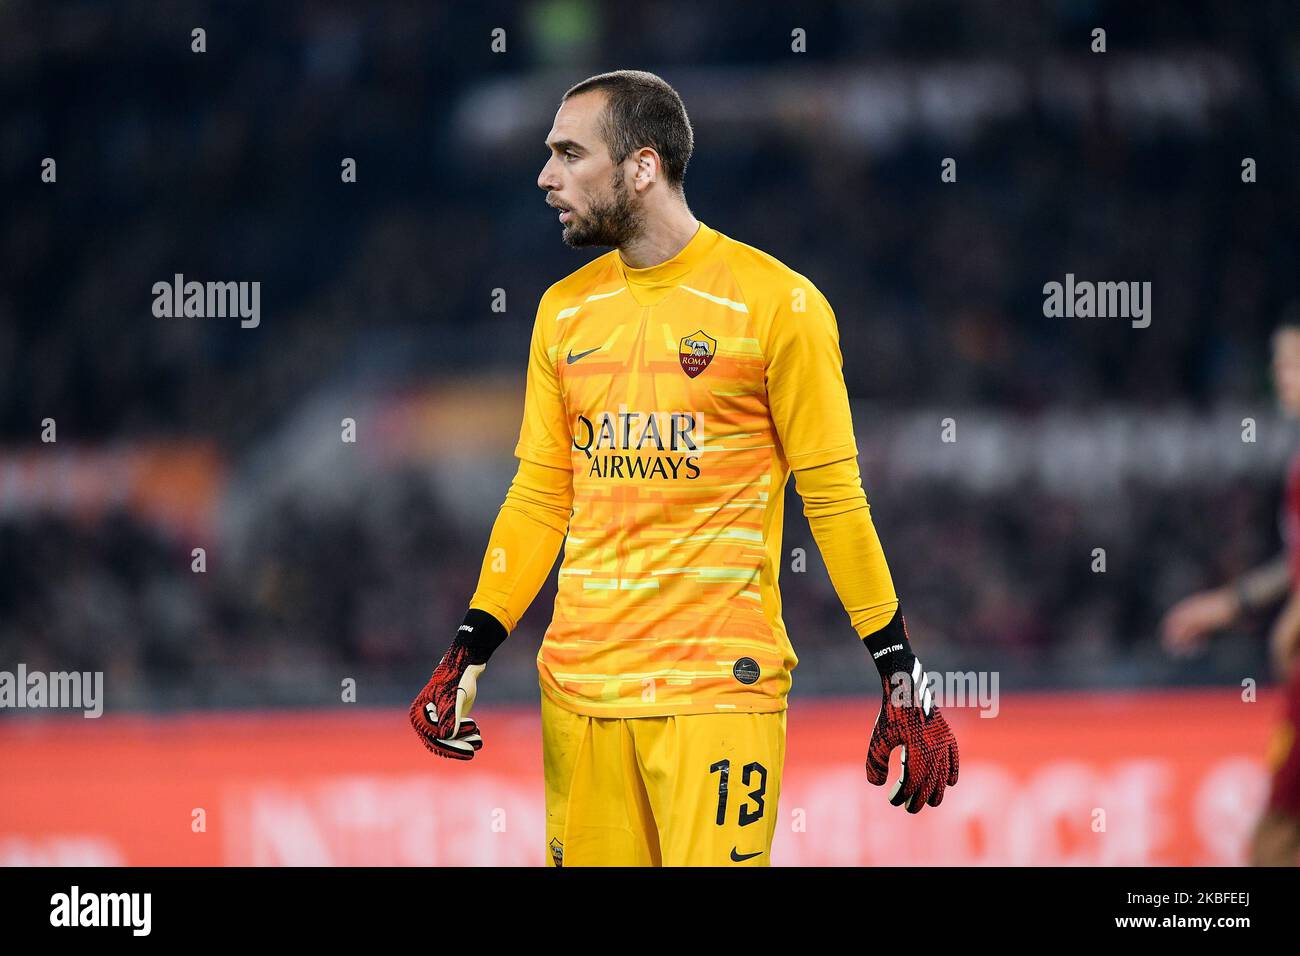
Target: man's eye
[(570, 154)]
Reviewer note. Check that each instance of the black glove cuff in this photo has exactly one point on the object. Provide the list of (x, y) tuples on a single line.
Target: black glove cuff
[(480, 635), (890, 648)]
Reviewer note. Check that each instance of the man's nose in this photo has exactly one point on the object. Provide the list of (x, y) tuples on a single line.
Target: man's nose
[(546, 178)]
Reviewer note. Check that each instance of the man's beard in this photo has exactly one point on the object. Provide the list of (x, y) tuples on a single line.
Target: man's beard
[(613, 223)]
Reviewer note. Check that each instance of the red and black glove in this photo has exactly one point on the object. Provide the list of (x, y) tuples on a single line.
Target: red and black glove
[(440, 715), (908, 718)]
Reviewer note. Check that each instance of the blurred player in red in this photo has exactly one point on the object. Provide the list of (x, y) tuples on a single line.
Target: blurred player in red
[(1276, 840)]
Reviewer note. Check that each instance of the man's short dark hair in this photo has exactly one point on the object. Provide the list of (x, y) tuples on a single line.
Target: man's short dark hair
[(643, 110)]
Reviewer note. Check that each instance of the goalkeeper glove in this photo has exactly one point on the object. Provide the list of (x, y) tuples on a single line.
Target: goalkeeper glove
[(440, 714), (908, 718)]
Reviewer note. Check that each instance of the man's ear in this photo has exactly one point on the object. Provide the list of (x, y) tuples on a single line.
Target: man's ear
[(646, 170)]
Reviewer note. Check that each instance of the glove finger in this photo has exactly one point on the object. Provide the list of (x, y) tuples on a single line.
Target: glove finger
[(462, 745), (878, 763), (883, 742), (455, 749), (458, 750), (924, 790), (914, 784), (434, 721), (905, 786), (932, 793), (447, 718), (419, 717), (917, 802), (469, 732), (952, 764), (940, 783)]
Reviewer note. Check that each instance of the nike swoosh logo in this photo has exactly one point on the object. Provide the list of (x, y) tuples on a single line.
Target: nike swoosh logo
[(573, 358), (742, 857)]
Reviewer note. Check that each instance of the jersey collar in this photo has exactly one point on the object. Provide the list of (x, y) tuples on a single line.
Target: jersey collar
[(669, 273)]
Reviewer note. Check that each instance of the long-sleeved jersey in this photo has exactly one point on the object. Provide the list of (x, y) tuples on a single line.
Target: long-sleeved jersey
[(667, 407)]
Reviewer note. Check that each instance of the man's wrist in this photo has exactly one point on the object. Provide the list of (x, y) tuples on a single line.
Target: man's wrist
[(890, 649), (480, 634)]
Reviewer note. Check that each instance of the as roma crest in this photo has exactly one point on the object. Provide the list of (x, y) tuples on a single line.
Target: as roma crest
[(696, 351)]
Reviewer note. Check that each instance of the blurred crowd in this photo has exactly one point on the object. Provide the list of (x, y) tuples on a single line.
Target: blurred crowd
[(226, 166)]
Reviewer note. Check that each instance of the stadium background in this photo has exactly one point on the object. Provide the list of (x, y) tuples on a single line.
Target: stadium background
[(329, 561)]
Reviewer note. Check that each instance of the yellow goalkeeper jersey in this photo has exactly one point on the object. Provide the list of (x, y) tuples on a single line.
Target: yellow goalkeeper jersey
[(680, 397)]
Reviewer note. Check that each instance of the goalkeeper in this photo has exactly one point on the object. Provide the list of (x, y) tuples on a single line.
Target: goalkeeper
[(674, 385)]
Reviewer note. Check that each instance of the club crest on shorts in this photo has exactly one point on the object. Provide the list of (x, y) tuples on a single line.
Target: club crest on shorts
[(696, 351), (557, 851)]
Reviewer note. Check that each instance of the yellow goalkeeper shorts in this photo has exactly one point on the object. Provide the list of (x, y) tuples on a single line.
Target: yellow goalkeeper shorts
[(687, 790)]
